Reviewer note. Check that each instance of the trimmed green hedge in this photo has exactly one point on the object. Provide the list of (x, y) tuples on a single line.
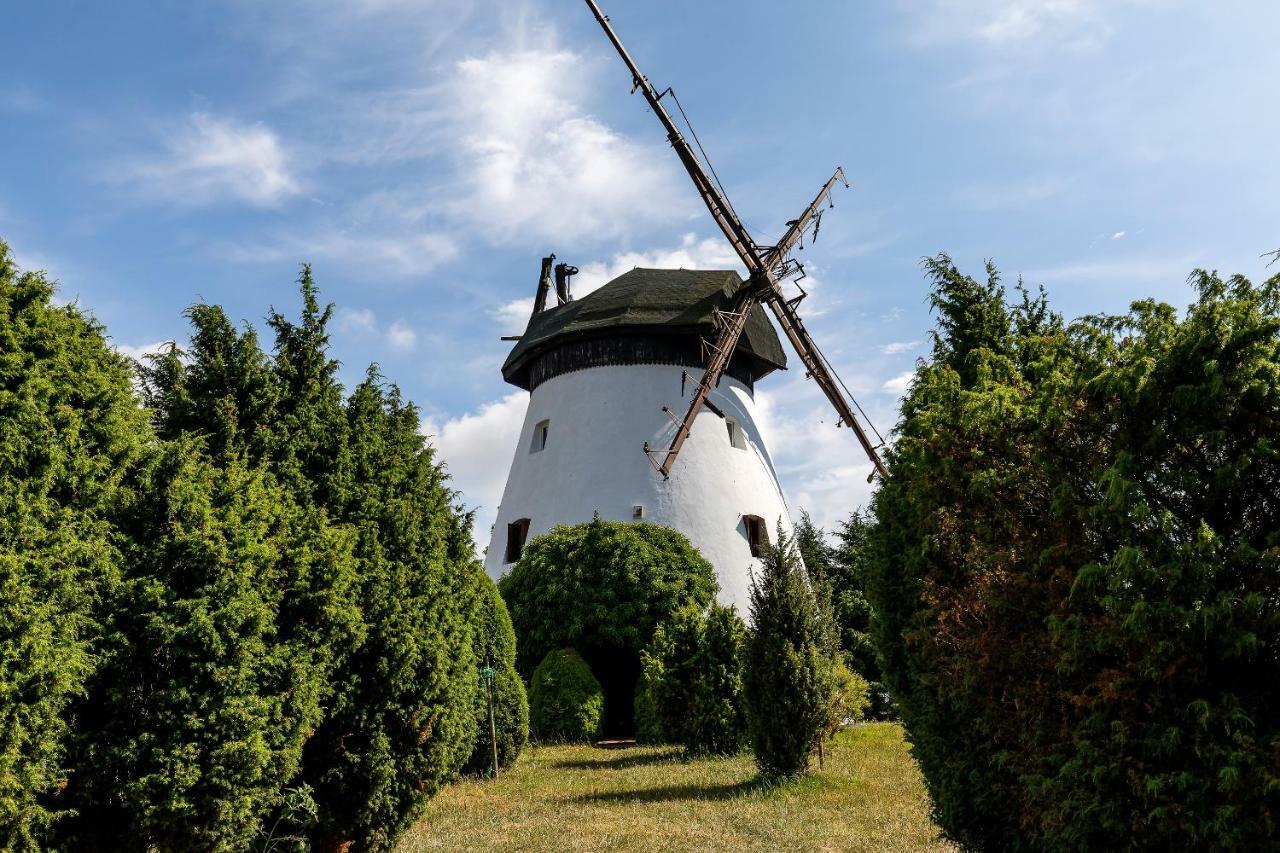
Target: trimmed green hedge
[(565, 700)]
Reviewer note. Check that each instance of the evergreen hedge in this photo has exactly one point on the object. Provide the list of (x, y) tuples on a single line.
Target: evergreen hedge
[(565, 699), (1075, 565), (244, 616)]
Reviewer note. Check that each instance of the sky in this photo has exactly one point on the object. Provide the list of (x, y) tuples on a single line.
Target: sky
[(423, 155)]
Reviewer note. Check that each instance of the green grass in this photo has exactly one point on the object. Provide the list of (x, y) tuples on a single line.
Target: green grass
[(868, 797)]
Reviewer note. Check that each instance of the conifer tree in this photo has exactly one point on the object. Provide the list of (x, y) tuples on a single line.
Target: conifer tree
[(70, 434), (789, 678)]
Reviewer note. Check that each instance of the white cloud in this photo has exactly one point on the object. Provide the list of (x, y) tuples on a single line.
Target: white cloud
[(898, 347), (822, 468), (139, 352), (356, 321), (395, 253), (537, 164), (210, 159), (900, 383), (1008, 23), (514, 316), (400, 336), (1154, 269), (477, 448), (1119, 235)]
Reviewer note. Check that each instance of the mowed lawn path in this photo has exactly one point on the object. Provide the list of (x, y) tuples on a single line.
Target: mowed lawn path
[(868, 797)]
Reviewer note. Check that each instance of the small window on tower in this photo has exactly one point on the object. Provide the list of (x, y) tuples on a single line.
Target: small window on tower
[(540, 432), (757, 538), (736, 437), (517, 532)]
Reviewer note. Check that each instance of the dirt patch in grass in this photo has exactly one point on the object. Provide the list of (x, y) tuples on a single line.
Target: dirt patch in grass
[(868, 797)]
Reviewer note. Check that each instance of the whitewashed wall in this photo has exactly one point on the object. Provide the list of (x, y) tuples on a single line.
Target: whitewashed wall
[(593, 462)]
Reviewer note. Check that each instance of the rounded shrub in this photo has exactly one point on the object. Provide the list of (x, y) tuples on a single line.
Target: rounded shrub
[(565, 700), (601, 588), (495, 648), (601, 585)]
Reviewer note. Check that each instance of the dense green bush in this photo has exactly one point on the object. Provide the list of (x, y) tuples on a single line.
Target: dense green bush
[(495, 647), (213, 668), (1074, 568), (565, 700), (601, 585), (788, 680), (692, 679), (70, 434), (850, 699), (602, 588)]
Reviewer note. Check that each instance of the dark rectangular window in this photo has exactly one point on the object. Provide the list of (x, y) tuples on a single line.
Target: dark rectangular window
[(517, 532), (757, 538)]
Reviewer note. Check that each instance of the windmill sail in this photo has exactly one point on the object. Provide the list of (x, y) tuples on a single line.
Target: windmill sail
[(767, 267)]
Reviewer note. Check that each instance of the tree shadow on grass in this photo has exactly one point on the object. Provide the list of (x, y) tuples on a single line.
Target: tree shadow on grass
[(619, 762), (680, 792)]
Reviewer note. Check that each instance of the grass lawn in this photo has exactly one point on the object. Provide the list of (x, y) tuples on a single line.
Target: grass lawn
[(869, 797)]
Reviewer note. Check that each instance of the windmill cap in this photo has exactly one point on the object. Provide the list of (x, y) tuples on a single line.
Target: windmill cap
[(655, 316)]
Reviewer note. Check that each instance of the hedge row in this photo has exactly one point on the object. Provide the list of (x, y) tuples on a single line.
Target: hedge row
[(242, 616)]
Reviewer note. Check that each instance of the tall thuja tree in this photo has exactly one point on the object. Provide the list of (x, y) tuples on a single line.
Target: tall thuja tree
[(1071, 567), (402, 721), (966, 555), (235, 604), (70, 434), (310, 438)]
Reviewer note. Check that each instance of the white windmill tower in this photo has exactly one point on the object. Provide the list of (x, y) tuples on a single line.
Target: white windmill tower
[(607, 374), (604, 375)]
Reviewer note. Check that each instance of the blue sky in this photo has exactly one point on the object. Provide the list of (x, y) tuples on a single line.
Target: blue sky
[(424, 155)]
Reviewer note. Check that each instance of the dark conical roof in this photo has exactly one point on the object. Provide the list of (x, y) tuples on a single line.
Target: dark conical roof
[(652, 303)]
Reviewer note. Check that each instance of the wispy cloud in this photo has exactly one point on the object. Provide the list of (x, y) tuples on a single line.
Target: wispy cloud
[(1006, 196), (1008, 23), (900, 383), (363, 323), (898, 347), (397, 251), (208, 159), (1155, 268)]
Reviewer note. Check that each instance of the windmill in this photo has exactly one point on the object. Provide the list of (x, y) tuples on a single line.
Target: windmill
[(768, 267)]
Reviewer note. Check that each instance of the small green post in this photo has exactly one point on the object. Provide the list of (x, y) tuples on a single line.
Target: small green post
[(487, 672)]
